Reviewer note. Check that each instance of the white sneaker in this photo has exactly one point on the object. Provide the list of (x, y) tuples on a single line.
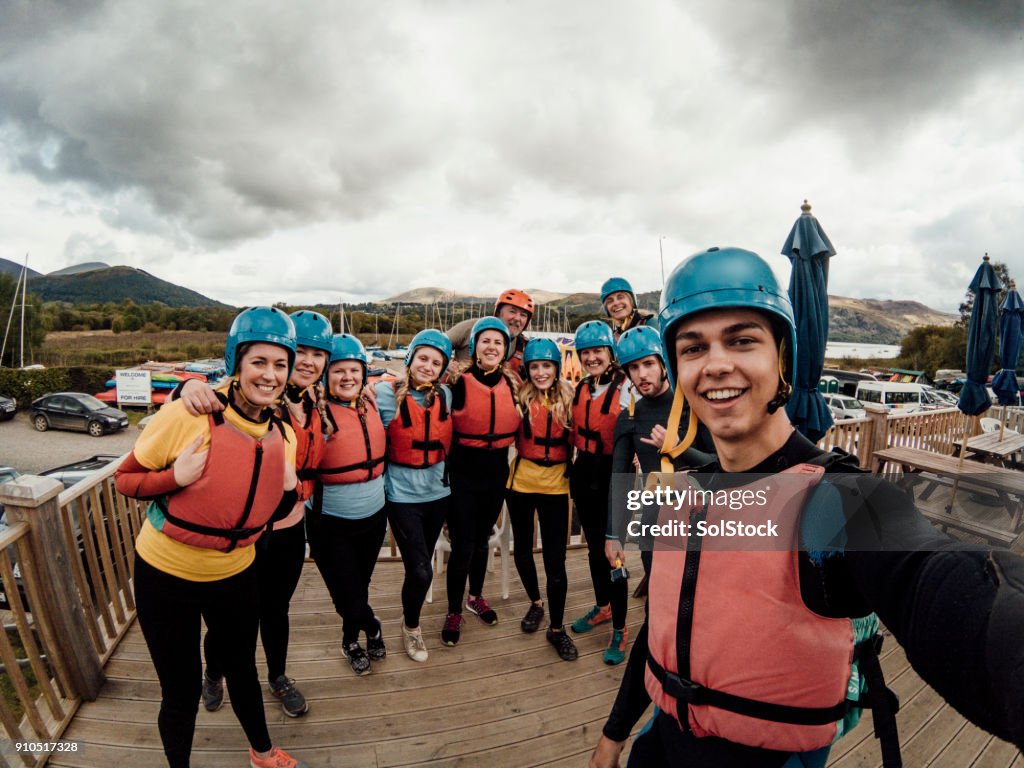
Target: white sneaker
[(414, 645)]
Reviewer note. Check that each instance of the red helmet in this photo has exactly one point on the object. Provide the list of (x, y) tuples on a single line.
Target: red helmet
[(516, 298)]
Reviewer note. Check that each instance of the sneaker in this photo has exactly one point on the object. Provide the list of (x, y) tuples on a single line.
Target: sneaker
[(452, 628), (563, 644), (213, 693), (615, 653), (483, 609), (592, 618), (375, 647), (292, 701), (414, 645), (277, 758), (531, 621), (357, 658)]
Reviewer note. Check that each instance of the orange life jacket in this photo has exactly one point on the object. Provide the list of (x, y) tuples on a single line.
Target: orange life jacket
[(488, 418), (240, 488), (355, 452), (748, 662), (593, 420), (309, 446), (540, 439), (420, 437)]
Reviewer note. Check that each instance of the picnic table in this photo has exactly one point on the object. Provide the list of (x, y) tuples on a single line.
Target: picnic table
[(1007, 485), (989, 446)]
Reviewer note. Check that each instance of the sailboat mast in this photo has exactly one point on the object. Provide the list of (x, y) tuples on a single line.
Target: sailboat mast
[(24, 284)]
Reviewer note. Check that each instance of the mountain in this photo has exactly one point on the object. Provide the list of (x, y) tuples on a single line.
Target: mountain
[(77, 269), (14, 269), (115, 284), (445, 295)]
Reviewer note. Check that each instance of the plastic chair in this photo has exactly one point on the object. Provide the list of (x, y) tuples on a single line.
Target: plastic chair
[(501, 537), (988, 424)]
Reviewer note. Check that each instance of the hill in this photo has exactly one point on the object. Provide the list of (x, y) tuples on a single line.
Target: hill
[(115, 284), (13, 268), (77, 269), (444, 295)]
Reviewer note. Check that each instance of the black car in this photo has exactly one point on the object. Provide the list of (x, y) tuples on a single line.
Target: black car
[(7, 408), (76, 471), (73, 410)]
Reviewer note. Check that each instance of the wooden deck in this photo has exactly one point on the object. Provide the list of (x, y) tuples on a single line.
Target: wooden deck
[(500, 698)]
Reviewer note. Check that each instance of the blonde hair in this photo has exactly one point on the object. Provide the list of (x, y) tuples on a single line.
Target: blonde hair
[(559, 401)]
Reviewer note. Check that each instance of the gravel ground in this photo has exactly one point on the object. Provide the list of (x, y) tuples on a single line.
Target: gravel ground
[(29, 451)]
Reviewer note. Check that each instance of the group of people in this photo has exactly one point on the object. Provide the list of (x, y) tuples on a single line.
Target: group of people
[(296, 446)]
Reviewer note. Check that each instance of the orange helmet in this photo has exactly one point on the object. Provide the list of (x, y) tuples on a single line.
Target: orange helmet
[(516, 298)]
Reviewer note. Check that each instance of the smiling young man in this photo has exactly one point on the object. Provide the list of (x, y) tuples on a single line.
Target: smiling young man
[(747, 654), (515, 309), (639, 431)]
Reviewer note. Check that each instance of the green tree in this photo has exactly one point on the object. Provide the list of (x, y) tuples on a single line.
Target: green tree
[(34, 322)]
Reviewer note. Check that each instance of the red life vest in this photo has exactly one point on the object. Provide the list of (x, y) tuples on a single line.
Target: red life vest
[(355, 452), (593, 420), (240, 488), (309, 446), (748, 643), (541, 439), (420, 437), (488, 418)]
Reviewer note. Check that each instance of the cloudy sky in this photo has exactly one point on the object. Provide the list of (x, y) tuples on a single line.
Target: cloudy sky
[(315, 152)]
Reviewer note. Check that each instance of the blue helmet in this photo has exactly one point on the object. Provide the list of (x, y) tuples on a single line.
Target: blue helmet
[(312, 330), (638, 343), (594, 333), (345, 346), (614, 285), (259, 324), (542, 349), (716, 279), (431, 337), (490, 324)]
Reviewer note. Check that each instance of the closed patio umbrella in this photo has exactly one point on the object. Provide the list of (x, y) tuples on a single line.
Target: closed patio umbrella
[(809, 249), (981, 340), (1004, 384)]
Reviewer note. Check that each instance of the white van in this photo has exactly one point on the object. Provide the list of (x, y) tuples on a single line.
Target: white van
[(900, 398)]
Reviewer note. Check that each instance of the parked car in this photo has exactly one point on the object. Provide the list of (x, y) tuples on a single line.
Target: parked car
[(69, 474), (8, 406), (74, 410), (844, 407)]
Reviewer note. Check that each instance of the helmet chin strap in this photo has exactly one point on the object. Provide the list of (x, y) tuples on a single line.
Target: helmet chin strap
[(672, 429), (487, 371), (785, 389)]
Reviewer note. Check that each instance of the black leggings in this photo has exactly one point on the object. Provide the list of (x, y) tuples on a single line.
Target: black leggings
[(590, 493), (472, 516), (169, 611), (347, 552), (416, 528), (552, 512), (279, 559)]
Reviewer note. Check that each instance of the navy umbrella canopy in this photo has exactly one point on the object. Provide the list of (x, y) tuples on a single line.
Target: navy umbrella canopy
[(809, 249), (1011, 311), (981, 340)]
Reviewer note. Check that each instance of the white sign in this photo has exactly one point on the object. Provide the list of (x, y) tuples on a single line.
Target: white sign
[(134, 387)]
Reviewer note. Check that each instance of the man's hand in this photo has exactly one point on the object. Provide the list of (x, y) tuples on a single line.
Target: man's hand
[(657, 438), (613, 551), (199, 398), (606, 753), (189, 465)]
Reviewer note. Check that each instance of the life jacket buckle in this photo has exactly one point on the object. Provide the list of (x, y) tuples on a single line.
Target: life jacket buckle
[(683, 690)]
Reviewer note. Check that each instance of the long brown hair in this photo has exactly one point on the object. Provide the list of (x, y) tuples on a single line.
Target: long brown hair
[(559, 401)]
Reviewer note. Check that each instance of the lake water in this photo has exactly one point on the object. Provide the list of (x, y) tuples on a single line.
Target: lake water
[(841, 349)]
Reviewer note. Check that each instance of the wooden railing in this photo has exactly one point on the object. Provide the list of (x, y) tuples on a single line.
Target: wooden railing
[(66, 573)]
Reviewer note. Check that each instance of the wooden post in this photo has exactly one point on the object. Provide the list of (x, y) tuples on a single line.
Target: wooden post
[(33, 500), (878, 417)]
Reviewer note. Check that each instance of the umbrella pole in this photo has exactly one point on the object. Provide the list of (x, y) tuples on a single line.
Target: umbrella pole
[(1002, 423)]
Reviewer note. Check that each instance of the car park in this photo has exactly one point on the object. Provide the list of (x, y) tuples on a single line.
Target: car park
[(844, 407), (76, 411), (8, 407)]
